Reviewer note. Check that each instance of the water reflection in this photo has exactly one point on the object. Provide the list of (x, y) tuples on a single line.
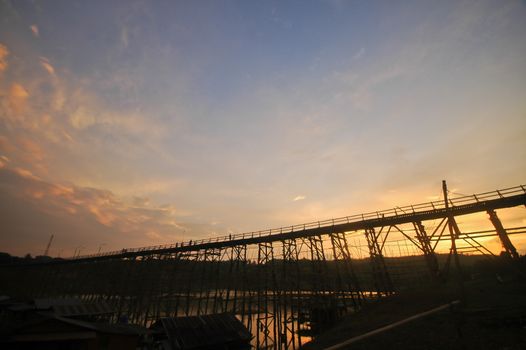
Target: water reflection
[(276, 319)]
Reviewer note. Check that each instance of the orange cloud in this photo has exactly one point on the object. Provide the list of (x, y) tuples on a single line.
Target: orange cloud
[(61, 190), (25, 173), (5, 145), (3, 161), (32, 152), (37, 194), (44, 62), (4, 52), (17, 97), (34, 30), (103, 216), (81, 118), (101, 206), (153, 235), (18, 91)]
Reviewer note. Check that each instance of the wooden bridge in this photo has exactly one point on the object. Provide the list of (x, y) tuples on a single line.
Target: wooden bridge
[(280, 282)]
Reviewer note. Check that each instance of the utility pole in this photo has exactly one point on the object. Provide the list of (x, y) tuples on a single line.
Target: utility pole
[(454, 232), (46, 252)]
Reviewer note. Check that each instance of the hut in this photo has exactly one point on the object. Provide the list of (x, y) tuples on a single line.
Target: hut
[(205, 332), (49, 331), (74, 308)]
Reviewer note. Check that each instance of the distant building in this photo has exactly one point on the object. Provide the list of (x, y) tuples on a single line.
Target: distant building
[(74, 308), (15, 312), (55, 332)]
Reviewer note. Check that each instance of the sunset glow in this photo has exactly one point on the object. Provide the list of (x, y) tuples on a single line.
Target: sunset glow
[(126, 124)]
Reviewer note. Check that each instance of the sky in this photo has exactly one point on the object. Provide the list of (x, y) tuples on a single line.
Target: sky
[(131, 123)]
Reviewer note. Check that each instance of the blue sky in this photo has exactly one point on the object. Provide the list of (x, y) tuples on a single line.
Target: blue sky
[(152, 122)]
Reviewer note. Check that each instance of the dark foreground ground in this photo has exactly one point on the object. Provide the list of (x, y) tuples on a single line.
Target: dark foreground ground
[(492, 317)]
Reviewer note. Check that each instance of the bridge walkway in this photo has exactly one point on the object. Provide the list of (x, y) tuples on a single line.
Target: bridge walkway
[(487, 201)]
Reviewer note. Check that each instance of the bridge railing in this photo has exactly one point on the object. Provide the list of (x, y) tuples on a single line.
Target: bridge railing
[(393, 212)]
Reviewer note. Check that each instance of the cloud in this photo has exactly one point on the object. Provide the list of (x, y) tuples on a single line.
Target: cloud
[(298, 198), (50, 121), (44, 62), (359, 54), (124, 37), (362, 98), (5, 145), (34, 103), (34, 30), (82, 215), (18, 91), (82, 118), (363, 95), (4, 52), (24, 173), (17, 97), (153, 235), (140, 201), (3, 161), (32, 150)]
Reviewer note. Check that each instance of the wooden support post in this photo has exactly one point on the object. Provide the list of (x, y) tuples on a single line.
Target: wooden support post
[(151, 279), (318, 263), (322, 303), (190, 276), (241, 268), (214, 259), (454, 233), (265, 316), (126, 264), (507, 245), (291, 308), (381, 277), (171, 288), (427, 249), (218, 304), (233, 279), (348, 282)]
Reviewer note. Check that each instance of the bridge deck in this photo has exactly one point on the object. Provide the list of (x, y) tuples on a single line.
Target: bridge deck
[(505, 198)]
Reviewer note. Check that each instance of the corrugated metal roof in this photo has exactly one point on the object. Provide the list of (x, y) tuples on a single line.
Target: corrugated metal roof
[(94, 326), (70, 307), (20, 307), (203, 331), (83, 309), (48, 303)]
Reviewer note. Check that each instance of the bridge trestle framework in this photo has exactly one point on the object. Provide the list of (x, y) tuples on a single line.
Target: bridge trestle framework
[(283, 284)]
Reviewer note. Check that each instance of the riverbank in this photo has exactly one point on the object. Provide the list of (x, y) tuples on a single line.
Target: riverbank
[(493, 316)]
